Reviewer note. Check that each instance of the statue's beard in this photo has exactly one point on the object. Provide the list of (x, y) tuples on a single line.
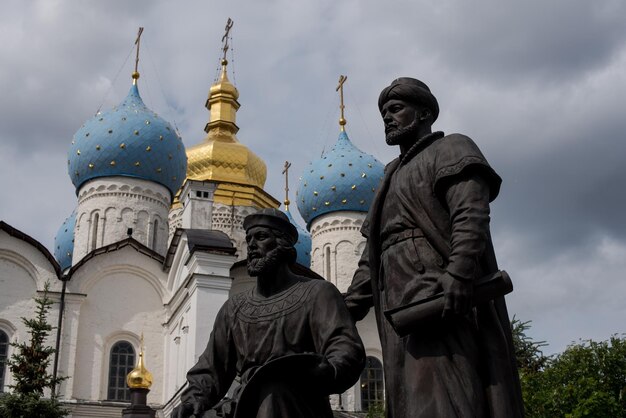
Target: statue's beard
[(266, 264), (403, 135)]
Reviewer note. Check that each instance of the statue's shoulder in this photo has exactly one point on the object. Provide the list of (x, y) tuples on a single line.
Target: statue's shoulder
[(455, 150), (309, 285), (457, 154), (456, 146), (315, 288), (324, 288), (391, 165)]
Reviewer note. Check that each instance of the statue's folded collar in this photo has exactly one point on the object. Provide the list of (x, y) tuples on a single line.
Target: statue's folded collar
[(419, 145)]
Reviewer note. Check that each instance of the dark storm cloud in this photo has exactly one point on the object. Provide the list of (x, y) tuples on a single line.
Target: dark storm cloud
[(570, 193), (563, 165), (51, 79), (554, 40)]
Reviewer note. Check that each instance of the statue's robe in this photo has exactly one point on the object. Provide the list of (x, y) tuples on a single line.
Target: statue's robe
[(251, 331), (431, 216)]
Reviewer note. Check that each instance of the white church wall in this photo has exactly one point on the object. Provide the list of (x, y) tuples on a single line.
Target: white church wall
[(18, 287), (140, 230), (108, 207), (176, 353), (201, 282), (179, 270), (344, 263), (31, 259), (69, 343), (208, 290), (23, 272), (178, 357), (336, 245), (316, 260), (124, 294), (208, 294)]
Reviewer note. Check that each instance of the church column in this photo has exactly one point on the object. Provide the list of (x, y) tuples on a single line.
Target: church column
[(207, 294), (67, 355), (208, 290), (197, 200)]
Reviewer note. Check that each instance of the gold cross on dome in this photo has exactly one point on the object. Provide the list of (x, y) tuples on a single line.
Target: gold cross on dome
[(286, 173), (342, 120), (137, 42), (229, 25)]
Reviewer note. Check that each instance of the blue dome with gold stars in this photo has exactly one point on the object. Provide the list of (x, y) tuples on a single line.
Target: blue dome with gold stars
[(64, 242), (303, 246), (343, 179), (129, 140)]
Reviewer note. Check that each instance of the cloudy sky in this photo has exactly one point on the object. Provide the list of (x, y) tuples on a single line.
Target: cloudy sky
[(540, 86)]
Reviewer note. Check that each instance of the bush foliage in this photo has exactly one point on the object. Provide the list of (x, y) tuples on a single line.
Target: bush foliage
[(588, 379)]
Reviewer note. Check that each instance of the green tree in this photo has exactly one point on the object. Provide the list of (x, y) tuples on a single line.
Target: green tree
[(588, 379), (29, 367), (528, 352)]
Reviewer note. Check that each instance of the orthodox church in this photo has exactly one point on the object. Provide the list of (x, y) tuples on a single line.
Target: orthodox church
[(156, 245)]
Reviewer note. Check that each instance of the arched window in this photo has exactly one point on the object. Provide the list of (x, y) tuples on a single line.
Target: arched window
[(372, 389), (121, 362), (94, 232), (327, 264), (4, 352), (155, 229)]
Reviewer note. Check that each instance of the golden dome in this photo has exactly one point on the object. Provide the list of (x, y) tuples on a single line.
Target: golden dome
[(221, 157), (139, 377)]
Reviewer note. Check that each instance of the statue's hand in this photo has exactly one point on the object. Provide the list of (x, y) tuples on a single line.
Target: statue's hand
[(186, 410), (457, 295), (323, 373)]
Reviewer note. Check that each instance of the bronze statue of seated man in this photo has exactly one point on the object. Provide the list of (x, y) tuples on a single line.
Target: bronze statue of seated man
[(290, 339)]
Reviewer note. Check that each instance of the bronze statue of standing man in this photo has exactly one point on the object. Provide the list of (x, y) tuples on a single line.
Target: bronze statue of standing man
[(427, 233)]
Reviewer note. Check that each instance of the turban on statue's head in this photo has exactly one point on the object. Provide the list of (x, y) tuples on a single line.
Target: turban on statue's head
[(274, 219), (409, 90)]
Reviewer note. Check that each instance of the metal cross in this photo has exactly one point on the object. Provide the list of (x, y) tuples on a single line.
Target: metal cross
[(342, 79), (286, 173), (137, 42), (229, 25)]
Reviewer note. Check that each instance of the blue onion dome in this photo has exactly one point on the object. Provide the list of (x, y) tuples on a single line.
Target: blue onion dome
[(303, 246), (64, 242), (129, 140), (343, 179)]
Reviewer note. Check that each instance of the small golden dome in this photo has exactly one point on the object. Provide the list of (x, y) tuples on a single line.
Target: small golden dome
[(224, 86), (139, 377)]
